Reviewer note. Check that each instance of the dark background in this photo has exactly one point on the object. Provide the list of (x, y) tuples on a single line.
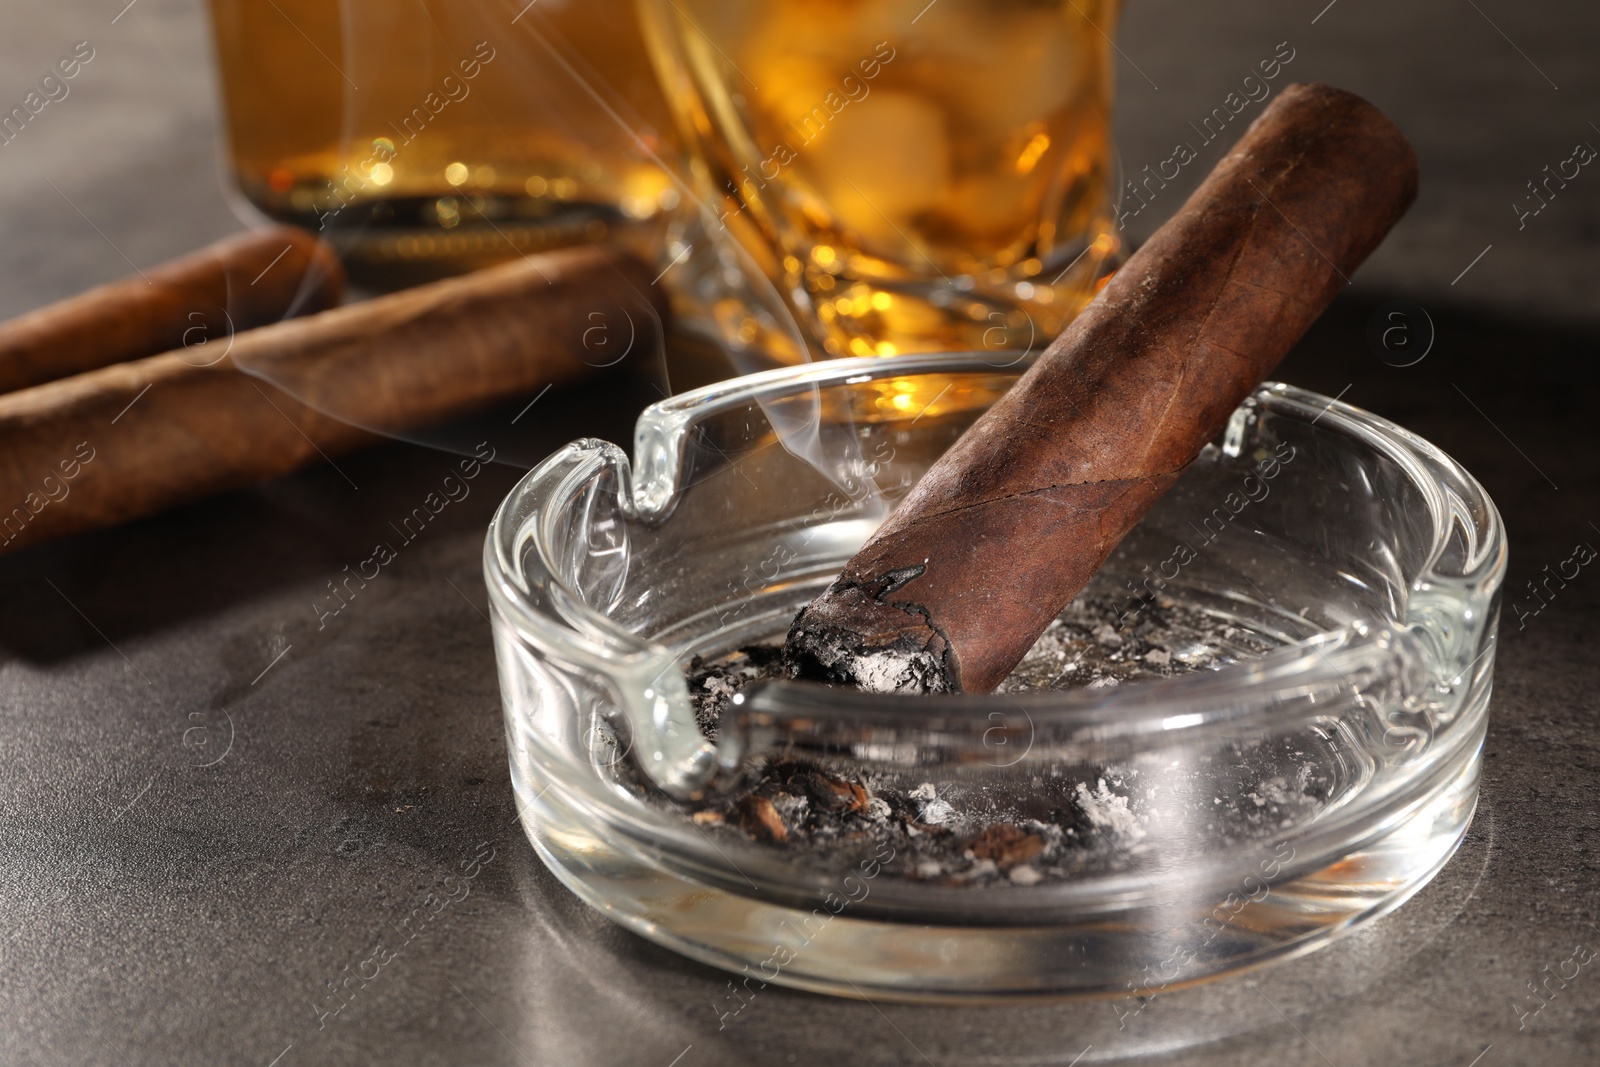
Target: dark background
[(157, 910)]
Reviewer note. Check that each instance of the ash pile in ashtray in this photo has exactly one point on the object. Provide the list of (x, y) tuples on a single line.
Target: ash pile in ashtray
[(1049, 826)]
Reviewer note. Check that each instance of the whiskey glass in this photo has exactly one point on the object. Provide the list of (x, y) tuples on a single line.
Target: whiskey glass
[(426, 138), (910, 176)]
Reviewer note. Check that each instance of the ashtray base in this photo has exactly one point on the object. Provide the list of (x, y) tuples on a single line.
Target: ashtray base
[(1136, 953)]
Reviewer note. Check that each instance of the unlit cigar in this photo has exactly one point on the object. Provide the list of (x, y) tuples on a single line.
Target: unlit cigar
[(236, 284), (135, 438), (1008, 526)]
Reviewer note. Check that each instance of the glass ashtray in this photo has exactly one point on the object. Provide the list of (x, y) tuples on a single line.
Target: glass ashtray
[(1260, 725)]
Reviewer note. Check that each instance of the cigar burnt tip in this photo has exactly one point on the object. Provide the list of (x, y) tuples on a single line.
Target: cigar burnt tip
[(853, 635)]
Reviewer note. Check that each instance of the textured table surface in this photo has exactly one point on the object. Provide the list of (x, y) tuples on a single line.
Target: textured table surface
[(212, 808)]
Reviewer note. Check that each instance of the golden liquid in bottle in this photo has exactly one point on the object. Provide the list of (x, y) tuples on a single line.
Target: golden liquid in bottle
[(428, 137), (920, 176)]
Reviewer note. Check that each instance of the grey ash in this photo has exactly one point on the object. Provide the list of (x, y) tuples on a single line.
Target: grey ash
[(1047, 825)]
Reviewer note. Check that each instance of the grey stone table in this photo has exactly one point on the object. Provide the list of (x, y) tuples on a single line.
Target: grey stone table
[(212, 808)]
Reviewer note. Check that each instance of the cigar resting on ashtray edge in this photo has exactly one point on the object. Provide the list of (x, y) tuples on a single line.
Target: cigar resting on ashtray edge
[(241, 282), (135, 438), (1011, 523)]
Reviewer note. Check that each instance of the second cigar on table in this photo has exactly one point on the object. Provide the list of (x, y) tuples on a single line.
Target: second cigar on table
[(143, 436), (241, 282), (1004, 530)]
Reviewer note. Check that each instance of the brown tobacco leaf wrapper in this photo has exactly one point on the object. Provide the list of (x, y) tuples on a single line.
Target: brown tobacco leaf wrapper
[(1006, 844), (237, 284), (760, 819), (1004, 530), (132, 439)]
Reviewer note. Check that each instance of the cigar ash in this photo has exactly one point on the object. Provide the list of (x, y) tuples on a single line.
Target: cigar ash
[(1041, 823)]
